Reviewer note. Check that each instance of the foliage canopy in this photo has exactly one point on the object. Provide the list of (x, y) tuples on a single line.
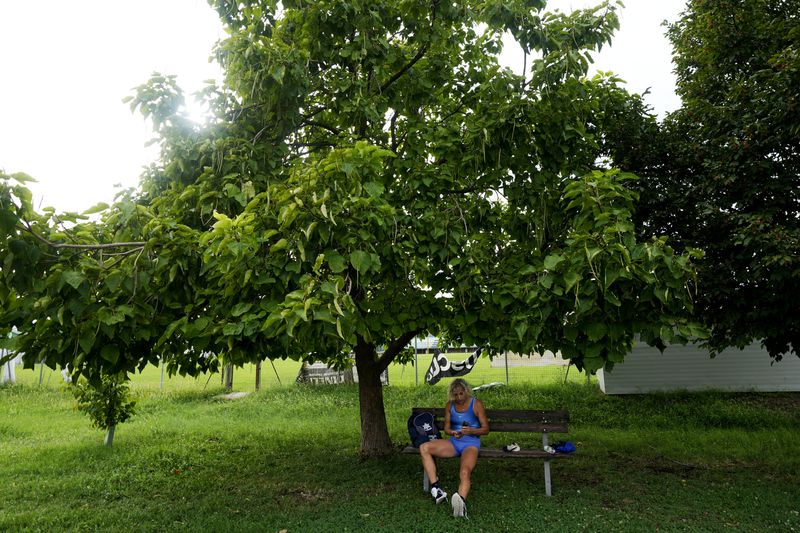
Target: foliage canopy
[(371, 173), (723, 172)]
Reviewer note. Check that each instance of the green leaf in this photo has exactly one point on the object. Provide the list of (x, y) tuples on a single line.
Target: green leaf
[(277, 73), (280, 245), (113, 280), (596, 331), (662, 293), (307, 232), (21, 177), (521, 328), (241, 308), (196, 328), (96, 208), (232, 328), (73, 278), (335, 261), (593, 350), (223, 224), (591, 253), (323, 315), (552, 261), (110, 317), (360, 260), (171, 329), (610, 276), (571, 278), (374, 189), (7, 220), (612, 299), (86, 342), (110, 353)]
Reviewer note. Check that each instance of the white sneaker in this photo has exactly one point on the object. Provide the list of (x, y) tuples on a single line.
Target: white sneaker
[(438, 495), (459, 506)]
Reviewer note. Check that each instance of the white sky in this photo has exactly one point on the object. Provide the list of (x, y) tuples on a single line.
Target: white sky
[(66, 65)]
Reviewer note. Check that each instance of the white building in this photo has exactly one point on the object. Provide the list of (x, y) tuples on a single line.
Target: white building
[(690, 368)]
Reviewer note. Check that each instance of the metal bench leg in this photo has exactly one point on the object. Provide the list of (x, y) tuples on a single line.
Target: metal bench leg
[(426, 482), (547, 487)]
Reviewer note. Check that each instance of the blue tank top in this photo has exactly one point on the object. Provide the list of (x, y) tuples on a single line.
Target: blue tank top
[(467, 418)]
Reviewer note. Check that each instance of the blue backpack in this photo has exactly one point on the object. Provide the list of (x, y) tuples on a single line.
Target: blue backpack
[(422, 428)]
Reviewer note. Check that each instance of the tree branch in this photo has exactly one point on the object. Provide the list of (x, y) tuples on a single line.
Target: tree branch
[(405, 68), (464, 191), (393, 130), (314, 113), (417, 57), (394, 347), (104, 246), (331, 129)]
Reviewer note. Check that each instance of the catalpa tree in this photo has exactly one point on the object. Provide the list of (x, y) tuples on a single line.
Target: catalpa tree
[(372, 173)]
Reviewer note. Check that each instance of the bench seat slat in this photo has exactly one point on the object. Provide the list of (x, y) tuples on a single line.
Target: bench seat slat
[(499, 453)]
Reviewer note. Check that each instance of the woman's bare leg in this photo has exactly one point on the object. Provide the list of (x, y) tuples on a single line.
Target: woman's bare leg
[(469, 458), (431, 449)]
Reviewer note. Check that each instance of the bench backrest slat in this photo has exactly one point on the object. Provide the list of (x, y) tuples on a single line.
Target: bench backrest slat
[(510, 427), (515, 421)]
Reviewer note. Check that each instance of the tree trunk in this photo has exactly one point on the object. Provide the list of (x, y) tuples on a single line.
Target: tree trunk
[(109, 436), (375, 441), (227, 374)]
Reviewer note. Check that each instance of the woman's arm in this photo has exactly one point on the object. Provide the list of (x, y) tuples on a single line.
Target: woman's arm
[(447, 430), (480, 412)]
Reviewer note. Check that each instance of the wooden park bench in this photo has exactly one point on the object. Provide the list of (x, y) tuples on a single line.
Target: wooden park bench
[(511, 421)]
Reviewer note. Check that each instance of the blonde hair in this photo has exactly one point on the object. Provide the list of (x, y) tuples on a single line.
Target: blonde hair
[(458, 383)]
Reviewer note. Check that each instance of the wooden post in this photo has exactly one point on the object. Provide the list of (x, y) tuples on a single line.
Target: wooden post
[(258, 375), (8, 369), (276, 371), (416, 363)]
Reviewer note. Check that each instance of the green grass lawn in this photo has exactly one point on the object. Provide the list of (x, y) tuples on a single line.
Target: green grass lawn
[(287, 458)]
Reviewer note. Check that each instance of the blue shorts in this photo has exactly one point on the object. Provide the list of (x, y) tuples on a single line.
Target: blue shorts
[(465, 442)]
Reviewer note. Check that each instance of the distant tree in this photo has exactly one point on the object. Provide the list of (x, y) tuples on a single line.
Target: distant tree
[(105, 403), (83, 295), (723, 172), (372, 173)]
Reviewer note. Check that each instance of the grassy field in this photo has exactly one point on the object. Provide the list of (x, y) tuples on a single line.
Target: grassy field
[(283, 372), (286, 458)]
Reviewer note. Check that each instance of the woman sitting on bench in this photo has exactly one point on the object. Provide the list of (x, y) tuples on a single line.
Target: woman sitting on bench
[(465, 421)]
